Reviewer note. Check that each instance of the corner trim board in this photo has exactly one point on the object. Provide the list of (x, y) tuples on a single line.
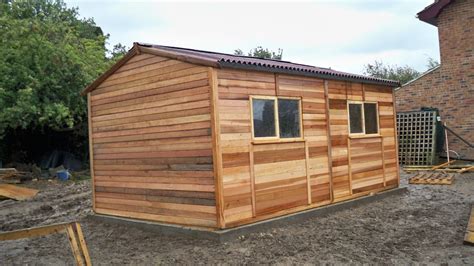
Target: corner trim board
[(216, 150), (91, 148)]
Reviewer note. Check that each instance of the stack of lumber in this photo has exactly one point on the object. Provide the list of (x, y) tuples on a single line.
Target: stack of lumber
[(432, 178), (12, 176)]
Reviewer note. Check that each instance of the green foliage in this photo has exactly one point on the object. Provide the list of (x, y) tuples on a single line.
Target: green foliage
[(47, 56), (238, 52), (393, 72), (432, 63), (260, 52), (118, 52)]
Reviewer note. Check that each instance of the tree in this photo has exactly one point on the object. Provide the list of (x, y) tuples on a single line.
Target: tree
[(260, 52), (432, 63), (393, 72), (47, 56), (118, 51)]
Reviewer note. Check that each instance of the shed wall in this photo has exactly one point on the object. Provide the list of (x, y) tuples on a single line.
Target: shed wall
[(159, 125), (152, 144), (262, 180)]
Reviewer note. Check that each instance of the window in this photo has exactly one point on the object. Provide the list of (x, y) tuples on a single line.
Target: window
[(363, 118), (355, 118), (276, 118), (370, 118), (264, 118), (289, 118)]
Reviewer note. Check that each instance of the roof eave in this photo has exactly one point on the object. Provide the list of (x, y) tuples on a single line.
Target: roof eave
[(430, 13), (225, 64), (428, 20), (168, 54)]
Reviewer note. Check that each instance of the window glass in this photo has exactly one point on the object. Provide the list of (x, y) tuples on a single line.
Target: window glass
[(263, 118), (370, 117), (355, 118), (289, 118)]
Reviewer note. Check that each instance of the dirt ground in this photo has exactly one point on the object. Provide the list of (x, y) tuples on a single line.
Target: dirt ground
[(424, 225)]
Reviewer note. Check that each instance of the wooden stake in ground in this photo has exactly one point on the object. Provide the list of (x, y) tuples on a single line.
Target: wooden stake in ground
[(447, 144)]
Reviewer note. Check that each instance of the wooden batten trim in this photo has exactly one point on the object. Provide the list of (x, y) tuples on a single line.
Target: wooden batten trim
[(363, 92), (349, 170), (383, 162), (168, 54), (91, 148), (381, 147), (277, 85), (252, 181), (396, 136), (328, 135), (216, 149), (134, 51), (308, 176), (346, 85)]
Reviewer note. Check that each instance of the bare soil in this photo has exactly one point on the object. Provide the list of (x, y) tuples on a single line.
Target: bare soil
[(425, 225)]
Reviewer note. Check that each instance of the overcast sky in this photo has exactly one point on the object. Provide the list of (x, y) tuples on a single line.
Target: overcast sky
[(341, 34)]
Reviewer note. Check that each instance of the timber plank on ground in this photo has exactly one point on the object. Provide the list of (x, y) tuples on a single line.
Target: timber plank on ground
[(17, 192), (469, 236)]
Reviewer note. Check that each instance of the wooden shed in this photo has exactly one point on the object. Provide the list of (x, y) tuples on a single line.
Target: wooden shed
[(215, 140)]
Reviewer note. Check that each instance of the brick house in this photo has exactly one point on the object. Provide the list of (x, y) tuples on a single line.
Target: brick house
[(450, 86)]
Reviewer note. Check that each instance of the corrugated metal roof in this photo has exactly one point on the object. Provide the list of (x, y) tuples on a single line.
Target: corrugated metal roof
[(259, 64)]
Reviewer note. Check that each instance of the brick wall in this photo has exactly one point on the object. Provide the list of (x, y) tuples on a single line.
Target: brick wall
[(450, 88)]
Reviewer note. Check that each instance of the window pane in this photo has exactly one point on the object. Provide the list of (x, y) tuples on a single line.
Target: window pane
[(370, 116), (289, 118), (263, 118), (355, 117)]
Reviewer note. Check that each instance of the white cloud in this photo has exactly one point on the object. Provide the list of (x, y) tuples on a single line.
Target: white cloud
[(341, 34)]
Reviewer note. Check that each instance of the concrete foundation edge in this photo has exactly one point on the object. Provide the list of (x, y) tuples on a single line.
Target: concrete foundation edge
[(232, 233)]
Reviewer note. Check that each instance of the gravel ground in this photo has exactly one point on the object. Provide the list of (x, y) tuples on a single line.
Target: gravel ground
[(425, 225)]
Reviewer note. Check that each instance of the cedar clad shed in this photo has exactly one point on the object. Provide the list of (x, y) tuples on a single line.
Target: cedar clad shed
[(214, 140)]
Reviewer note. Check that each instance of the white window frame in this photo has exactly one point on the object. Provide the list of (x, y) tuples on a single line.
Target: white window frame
[(363, 118), (277, 122)]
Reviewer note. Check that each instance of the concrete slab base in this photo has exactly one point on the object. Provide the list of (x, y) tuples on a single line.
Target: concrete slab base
[(233, 233)]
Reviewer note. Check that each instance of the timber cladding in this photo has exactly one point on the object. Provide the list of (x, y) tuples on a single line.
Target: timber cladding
[(151, 140), (173, 141)]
